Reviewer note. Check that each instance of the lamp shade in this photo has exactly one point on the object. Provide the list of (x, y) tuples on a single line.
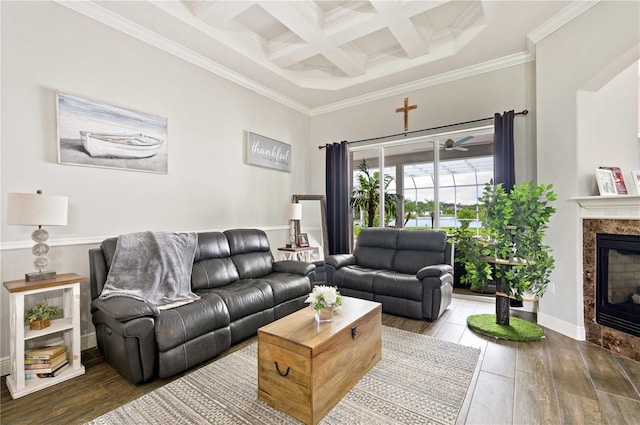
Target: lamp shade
[(294, 211), (31, 209)]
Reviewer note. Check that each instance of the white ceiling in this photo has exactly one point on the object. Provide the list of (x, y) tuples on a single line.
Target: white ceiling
[(317, 56)]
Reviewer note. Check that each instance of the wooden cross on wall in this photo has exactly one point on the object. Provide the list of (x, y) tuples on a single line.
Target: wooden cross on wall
[(406, 110)]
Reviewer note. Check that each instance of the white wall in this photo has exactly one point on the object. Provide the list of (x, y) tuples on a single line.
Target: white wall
[(583, 122), (209, 186), (605, 124), (471, 98)]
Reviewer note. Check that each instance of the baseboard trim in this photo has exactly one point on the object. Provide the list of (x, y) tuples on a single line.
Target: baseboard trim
[(490, 300), (565, 328), (86, 341)]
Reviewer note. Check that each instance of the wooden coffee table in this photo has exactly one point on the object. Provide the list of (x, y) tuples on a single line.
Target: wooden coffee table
[(305, 368)]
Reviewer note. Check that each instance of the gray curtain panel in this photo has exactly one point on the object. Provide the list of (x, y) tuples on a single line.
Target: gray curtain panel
[(337, 182), (503, 156)]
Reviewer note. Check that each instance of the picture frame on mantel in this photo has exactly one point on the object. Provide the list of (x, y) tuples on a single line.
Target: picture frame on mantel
[(93, 133), (606, 183), (618, 179)]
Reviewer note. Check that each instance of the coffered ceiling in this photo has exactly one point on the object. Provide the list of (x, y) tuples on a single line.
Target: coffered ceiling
[(324, 55)]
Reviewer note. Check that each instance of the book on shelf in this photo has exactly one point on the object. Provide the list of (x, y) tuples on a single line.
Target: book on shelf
[(48, 370), (46, 365), (44, 353), (58, 371), (618, 179)]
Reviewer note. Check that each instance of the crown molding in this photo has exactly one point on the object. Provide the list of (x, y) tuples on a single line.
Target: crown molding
[(154, 39), (447, 77), (111, 19), (560, 19)]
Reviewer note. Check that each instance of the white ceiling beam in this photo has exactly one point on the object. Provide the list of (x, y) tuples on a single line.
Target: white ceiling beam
[(350, 62), (304, 21), (308, 23), (409, 39), (219, 13), (402, 28), (338, 34)]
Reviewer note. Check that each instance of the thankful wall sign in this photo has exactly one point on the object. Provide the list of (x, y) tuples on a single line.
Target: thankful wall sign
[(265, 152)]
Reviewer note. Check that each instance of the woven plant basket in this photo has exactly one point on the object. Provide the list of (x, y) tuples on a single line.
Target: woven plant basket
[(39, 324)]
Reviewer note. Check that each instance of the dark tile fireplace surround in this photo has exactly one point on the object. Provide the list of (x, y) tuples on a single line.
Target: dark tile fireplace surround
[(605, 336)]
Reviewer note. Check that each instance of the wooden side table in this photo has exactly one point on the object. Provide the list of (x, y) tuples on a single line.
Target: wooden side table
[(68, 326), (302, 253)]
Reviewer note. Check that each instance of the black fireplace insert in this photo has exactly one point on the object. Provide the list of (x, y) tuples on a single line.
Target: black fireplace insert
[(618, 282)]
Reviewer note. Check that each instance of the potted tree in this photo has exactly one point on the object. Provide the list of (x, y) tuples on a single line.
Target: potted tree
[(40, 314), (513, 253)]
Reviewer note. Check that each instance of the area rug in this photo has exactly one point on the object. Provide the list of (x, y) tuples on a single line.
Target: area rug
[(420, 380)]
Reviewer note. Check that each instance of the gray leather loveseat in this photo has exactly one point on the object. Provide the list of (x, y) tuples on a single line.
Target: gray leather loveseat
[(240, 286), (409, 271)]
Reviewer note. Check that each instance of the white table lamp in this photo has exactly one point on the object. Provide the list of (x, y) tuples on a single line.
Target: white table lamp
[(293, 213), (36, 209)]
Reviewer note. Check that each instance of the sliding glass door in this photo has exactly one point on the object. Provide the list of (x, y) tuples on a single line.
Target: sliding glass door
[(431, 182)]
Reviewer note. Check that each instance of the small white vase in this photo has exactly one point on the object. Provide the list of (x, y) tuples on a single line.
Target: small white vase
[(324, 315)]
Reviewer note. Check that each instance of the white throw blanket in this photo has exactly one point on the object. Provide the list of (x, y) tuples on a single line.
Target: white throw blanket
[(154, 267)]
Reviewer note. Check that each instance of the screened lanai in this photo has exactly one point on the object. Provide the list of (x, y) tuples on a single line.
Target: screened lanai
[(439, 188)]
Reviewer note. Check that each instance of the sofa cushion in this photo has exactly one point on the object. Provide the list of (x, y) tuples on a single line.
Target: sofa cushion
[(213, 273), (287, 286), (416, 249), (250, 252), (212, 245), (178, 325), (376, 248), (355, 277), (212, 265), (108, 248), (246, 297), (399, 285)]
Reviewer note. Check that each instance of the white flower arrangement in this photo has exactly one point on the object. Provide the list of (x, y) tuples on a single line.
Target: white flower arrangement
[(323, 297)]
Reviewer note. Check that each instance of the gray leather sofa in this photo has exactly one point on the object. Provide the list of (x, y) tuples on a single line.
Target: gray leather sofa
[(241, 287), (409, 271)]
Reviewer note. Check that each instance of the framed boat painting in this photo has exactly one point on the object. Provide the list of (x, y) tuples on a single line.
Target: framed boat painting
[(97, 134)]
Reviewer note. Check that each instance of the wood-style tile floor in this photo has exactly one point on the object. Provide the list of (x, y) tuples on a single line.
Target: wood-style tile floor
[(552, 381)]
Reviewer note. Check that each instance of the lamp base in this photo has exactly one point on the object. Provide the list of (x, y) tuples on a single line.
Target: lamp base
[(42, 275), (291, 245)]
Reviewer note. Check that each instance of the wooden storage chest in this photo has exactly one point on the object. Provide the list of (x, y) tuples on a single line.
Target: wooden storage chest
[(305, 368)]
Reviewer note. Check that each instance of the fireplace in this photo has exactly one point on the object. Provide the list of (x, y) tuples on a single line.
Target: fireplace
[(604, 335), (618, 282)]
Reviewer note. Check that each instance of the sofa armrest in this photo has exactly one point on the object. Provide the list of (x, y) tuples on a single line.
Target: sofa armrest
[(129, 347), (435, 270), (292, 266), (340, 260), (123, 309)]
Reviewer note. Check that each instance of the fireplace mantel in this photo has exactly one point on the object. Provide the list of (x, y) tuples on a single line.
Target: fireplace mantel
[(621, 207)]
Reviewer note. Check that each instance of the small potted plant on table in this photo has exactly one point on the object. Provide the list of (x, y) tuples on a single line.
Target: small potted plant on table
[(40, 314)]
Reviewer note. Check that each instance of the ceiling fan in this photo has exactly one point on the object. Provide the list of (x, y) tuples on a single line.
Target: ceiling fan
[(450, 145)]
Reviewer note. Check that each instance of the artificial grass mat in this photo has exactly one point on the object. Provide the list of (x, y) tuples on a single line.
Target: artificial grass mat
[(518, 329)]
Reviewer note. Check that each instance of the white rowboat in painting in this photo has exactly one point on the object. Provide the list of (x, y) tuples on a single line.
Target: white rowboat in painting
[(112, 145)]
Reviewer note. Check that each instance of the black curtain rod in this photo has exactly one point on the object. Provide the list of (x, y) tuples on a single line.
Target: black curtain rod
[(405, 134)]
